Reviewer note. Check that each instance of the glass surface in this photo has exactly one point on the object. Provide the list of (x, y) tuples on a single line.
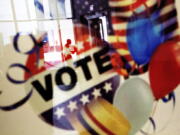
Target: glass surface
[(72, 66), (5, 10)]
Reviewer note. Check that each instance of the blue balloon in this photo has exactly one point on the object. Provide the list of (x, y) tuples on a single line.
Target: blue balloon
[(144, 36)]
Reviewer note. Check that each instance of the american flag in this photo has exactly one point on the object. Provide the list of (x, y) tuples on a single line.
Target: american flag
[(85, 7), (91, 7), (122, 13)]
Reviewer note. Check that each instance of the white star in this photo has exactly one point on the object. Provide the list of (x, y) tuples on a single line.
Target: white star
[(72, 106), (59, 112), (96, 93), (80, 45), (107, 87), (84, 99)]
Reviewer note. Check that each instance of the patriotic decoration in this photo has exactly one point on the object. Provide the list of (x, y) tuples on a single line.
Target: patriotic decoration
[(100, 117), (125, 13), (123, 18), (162, 82), (84, 43), (60, 113), (86, 7), (127, 22), (153, 28), (76, 91)]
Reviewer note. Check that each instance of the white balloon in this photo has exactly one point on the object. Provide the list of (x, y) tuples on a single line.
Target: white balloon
[(135, 100)]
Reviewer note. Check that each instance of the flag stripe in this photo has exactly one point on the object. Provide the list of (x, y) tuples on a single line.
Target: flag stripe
[(131, 4), (168, 23), (86, 125), (166, 2), (166, 17), (118, 45), (171, 28), (167, 9), (77, 125), (97, 122), (119, 3), (151, 8), (173, 35), (90, 122)]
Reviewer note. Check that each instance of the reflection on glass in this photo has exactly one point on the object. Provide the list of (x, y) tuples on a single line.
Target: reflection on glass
[(1, 45), (53, 9), (21, 9), (56, 50), (30, 27), (5, 10), (7, 34)]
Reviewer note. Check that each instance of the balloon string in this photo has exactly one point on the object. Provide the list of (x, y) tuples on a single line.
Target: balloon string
[(27, 97), (170, 97), (155, 108), (12, 80), (151, 119), (143, 132), (17, 104), (153, 123), (153, 113)]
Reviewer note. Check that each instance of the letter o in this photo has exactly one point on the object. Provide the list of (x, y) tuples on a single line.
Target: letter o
[(60, 83), (15, 44)]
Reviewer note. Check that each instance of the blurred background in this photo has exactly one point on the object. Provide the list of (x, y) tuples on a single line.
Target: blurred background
[(24, 16)]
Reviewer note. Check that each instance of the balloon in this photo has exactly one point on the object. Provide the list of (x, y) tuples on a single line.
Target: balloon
[(164, 69), (135, 100), (143, 38)]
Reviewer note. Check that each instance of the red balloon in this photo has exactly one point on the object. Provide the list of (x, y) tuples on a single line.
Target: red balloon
[(164, 69)]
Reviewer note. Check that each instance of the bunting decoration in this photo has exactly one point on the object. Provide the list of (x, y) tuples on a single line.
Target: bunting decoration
[(100, 117)]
